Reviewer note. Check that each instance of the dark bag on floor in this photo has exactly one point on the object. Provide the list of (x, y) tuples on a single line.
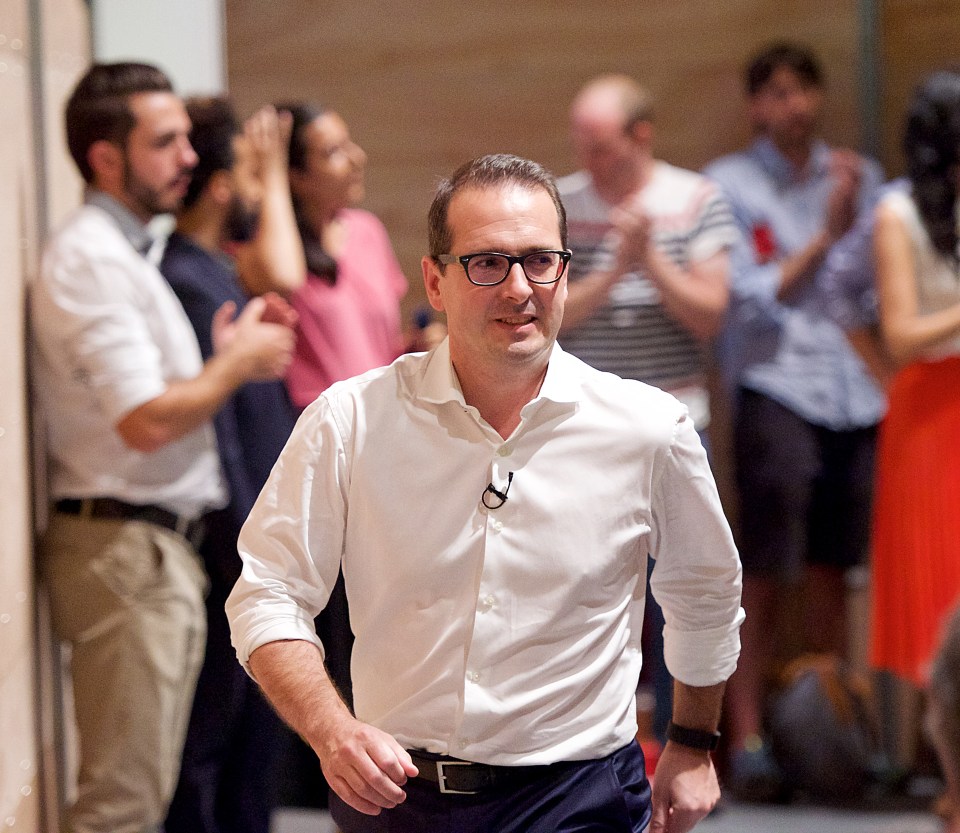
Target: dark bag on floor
[(823, 729)]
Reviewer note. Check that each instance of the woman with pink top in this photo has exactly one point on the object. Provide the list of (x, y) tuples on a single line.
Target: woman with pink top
[(349, 311)]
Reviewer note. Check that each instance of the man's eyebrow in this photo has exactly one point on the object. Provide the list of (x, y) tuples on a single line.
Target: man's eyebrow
[(165, 138)]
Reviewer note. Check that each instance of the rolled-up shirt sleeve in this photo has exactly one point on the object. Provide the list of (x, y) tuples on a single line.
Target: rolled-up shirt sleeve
[(697, 575), (292, 542)]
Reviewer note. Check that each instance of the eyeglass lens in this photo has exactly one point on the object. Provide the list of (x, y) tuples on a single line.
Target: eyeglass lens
[(539, 267)]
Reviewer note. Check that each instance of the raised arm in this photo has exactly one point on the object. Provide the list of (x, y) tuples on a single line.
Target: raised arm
[(273, 260), (367, 768)]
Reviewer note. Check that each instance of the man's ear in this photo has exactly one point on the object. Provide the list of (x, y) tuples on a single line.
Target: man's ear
[(106, 160), (431, 282), (642, 132), (220, 187)]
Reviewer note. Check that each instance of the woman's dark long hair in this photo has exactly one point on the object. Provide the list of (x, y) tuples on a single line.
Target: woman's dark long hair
[(932, 147), (319, 261)]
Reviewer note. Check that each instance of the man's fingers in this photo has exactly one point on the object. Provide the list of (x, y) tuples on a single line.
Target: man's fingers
[(658, 820), (342, 788)]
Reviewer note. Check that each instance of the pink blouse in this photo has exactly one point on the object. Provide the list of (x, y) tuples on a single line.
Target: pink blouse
[(352, 326)]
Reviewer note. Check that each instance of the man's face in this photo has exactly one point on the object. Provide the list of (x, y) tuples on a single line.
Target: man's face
[(514, 323), (786, 109), (158, 157), (602, 145)]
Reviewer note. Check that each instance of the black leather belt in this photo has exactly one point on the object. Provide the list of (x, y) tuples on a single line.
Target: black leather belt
[(455, 777), (108, 508)]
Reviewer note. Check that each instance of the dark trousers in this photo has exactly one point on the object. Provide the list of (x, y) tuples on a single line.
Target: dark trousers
[(606, 795), (229, 780)]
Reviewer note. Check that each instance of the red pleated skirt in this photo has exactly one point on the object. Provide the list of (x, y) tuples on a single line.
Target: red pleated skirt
[(916, 522)]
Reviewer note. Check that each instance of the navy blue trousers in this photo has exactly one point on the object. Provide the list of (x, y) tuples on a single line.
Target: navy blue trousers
[(602, 796)]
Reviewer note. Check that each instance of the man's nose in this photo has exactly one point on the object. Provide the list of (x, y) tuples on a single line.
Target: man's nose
[(516, 285), (188, 156)]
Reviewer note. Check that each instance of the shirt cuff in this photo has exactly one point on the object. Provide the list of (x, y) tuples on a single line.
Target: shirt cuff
[(703, 658)]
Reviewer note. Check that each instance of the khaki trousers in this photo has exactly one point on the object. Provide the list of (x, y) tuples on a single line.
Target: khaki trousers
[(128, 597)]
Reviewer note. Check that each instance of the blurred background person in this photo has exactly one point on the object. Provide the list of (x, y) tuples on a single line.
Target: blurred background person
[(916, 533), (128, 402), (235, 236), (806, 407), (649, 281), (349, 305)]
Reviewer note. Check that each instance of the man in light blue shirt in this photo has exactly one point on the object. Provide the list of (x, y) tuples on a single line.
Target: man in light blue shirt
[(806, 407)]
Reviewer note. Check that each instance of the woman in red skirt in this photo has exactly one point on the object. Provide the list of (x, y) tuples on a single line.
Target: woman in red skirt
[(916, 534)]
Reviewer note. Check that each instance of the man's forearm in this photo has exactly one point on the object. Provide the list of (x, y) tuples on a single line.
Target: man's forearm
[(292, 676), (798, 269), (697, 707), (696, 297), (587, 295), (183, 407)]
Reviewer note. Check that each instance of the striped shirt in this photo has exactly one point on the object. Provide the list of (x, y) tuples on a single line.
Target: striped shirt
[(632, 335)]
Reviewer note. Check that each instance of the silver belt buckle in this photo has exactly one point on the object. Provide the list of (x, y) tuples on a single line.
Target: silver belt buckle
[(442, 778)]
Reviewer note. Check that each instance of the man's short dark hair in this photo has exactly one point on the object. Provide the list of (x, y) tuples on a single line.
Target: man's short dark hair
[(793, 56), (214, 126), (488, 172), (99, 107)]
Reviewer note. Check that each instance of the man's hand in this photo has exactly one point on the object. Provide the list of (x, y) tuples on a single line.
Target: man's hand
[(259, 349), (846, 169), (367, 768), (685, 789), (633, 228)]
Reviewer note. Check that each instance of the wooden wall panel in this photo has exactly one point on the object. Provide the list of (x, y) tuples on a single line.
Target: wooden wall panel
[(427, 84), (918, 36)]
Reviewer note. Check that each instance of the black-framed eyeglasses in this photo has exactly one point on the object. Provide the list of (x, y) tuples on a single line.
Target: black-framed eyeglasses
[(490, 268)]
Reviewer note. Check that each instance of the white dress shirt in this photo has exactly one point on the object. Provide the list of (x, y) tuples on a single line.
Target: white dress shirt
[(509, 635), (109, 335)]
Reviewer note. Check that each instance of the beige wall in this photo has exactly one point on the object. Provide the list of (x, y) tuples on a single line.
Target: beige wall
[(28, 747)]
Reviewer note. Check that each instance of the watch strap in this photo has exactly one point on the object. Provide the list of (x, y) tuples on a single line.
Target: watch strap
[(694, 738)]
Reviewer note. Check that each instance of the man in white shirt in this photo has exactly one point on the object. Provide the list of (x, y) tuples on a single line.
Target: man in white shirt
[(126, 402), (493, 504)]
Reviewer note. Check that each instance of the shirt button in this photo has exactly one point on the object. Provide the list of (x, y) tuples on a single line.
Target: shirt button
[(473, 676), (488, 602), (497, 526), (504, 451)]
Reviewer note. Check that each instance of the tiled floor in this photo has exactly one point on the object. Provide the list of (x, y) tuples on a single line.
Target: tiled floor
[(732, 819)]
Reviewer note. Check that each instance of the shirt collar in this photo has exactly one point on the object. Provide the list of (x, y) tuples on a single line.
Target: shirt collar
[(137, 233), (782, 168), (439, 383)]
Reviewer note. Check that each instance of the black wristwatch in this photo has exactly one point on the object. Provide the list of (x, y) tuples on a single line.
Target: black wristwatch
[(694, 738)]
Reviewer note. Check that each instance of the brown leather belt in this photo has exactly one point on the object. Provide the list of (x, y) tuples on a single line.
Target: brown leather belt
[(108, 508)]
